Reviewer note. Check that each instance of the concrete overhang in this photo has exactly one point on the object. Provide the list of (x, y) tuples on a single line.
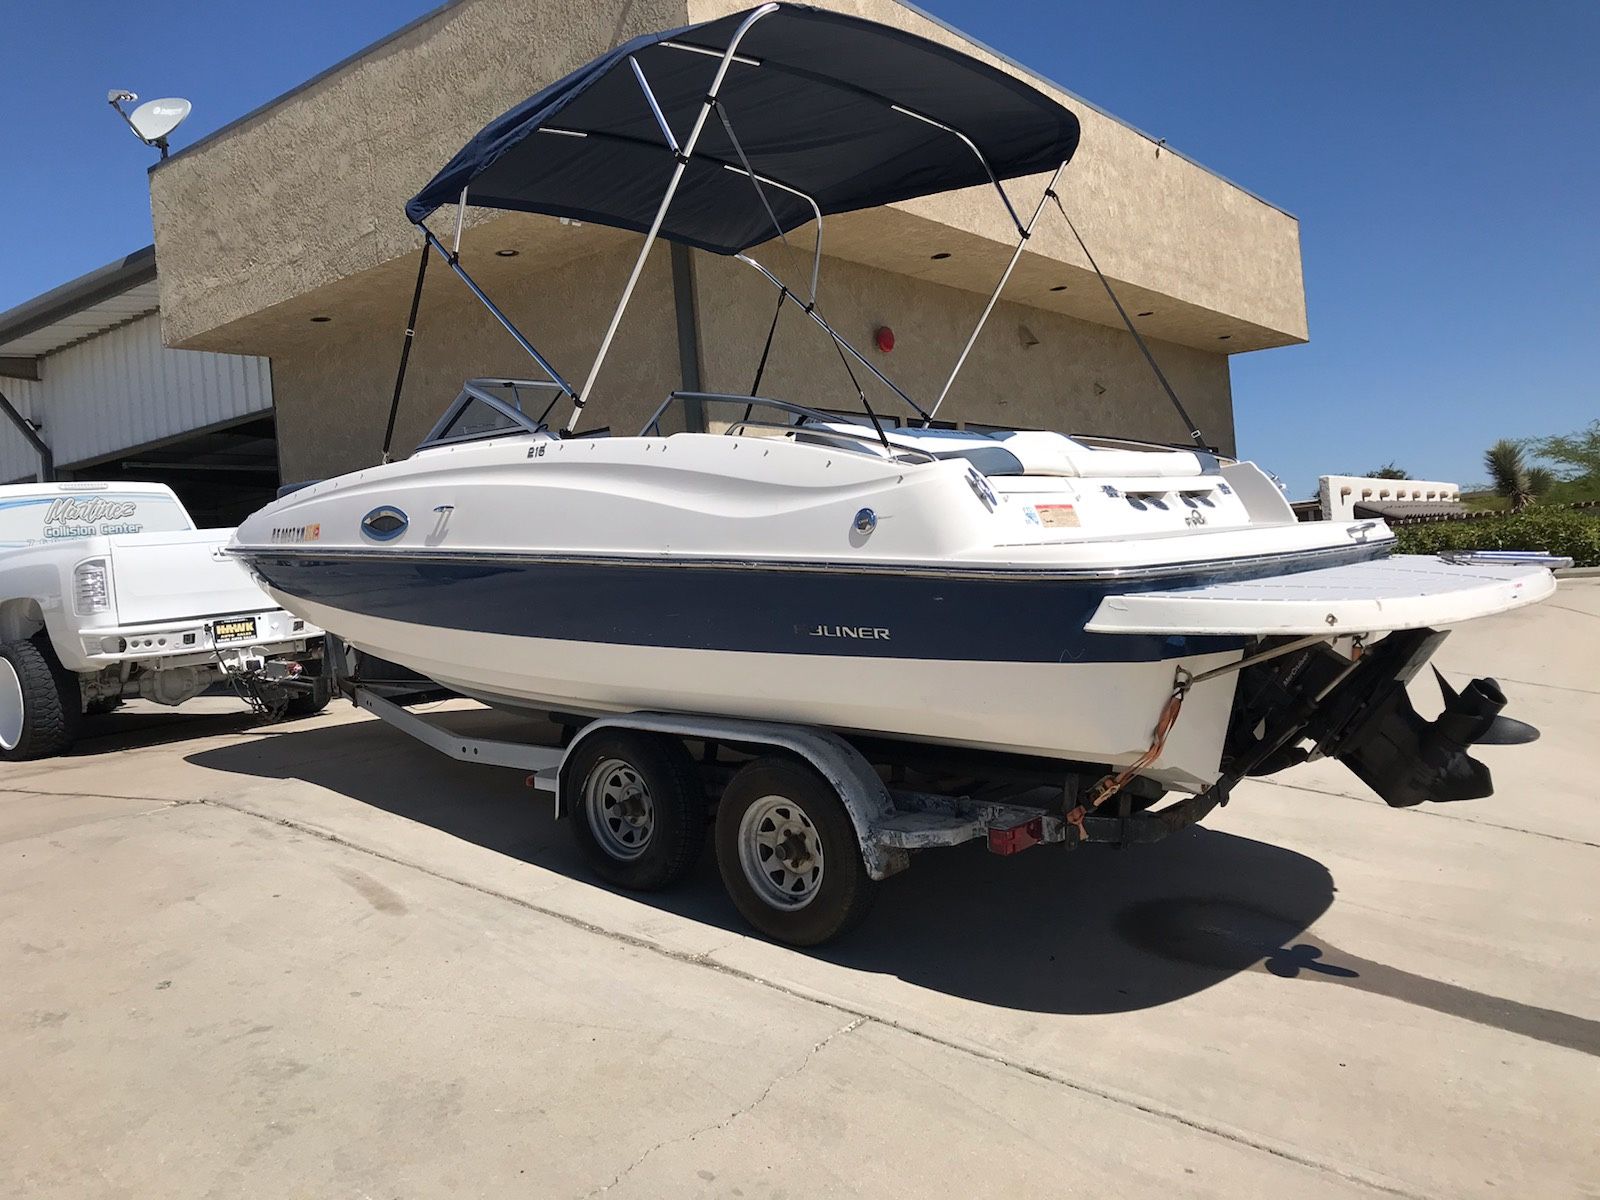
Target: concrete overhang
[(297, 206)]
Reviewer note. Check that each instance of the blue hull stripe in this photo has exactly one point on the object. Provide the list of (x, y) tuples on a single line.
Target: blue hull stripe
[(749, 609)]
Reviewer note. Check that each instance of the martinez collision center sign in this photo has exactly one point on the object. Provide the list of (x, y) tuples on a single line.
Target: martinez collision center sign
[(88, 516)]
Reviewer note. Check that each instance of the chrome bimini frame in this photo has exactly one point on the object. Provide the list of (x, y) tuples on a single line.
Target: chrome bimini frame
[(682, 153), (811, 423)]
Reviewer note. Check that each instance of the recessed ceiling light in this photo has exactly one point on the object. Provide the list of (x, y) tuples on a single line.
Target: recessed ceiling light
[(320, 320), (1060, 287), (507, 253), (1148, 313), (939, 257)]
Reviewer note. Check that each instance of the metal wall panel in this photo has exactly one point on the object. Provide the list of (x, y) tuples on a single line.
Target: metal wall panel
[(123, 389), (18, 462)]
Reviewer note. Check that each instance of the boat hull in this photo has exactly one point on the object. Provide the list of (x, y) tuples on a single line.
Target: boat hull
[(1098, 712), (978, 659)]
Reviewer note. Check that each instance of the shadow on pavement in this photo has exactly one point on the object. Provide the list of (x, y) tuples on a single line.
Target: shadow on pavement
[(1091, 931), (1044, 931), (132, 728)]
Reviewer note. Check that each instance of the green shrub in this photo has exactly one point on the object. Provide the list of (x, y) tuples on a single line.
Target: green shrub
[(1574, 533)]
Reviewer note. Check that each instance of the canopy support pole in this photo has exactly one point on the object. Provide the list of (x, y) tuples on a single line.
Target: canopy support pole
[(683, 156), (1195, 435), (978, 154), (758, 180), (494, 310), (811, 311), (1016, 255)]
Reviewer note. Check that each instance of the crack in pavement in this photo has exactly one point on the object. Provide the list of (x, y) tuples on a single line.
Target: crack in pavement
[(1444, 814), (162, 800), (1582, 612), (700, 959), (743, 1110), (1558, 687)]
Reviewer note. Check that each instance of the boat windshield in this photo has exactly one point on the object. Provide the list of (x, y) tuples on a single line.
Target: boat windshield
[(489, 408)]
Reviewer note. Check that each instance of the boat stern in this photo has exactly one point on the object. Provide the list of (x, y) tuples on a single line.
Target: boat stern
[(1323, 703)]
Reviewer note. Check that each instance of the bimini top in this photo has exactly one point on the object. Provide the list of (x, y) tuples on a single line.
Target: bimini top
[(823, 107)]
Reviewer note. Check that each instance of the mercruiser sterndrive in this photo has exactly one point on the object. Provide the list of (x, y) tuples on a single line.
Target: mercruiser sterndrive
[(1152, 616)]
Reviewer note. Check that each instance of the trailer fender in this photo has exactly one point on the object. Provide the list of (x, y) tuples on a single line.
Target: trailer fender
[(863, 794)]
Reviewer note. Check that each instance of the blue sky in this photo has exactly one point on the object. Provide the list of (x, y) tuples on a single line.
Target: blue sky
[(1440, 157)]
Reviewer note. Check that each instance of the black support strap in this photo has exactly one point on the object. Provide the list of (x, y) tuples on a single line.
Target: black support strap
[(761, 367), (744, 161), (405, 351)]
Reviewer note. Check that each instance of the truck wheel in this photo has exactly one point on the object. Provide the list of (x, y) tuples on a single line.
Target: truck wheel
[(789, 854), (40, 705), (101, 705), (309, 704), (637, 809)]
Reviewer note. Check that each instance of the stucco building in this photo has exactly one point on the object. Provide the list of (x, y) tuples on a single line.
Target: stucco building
[(282, 236)]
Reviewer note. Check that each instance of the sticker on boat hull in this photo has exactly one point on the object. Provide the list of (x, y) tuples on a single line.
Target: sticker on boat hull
[(1057, 516)]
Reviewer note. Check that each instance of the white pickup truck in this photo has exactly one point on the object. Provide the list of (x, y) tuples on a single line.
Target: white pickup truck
[(107, 591)]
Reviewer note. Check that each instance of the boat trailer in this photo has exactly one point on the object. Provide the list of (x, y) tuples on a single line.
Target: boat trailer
[(898, 797)]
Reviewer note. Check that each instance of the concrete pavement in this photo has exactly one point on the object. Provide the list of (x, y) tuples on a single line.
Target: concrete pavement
[(318, 959)]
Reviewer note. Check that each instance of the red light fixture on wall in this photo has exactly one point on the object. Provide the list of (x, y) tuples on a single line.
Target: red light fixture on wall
[(883, 338)]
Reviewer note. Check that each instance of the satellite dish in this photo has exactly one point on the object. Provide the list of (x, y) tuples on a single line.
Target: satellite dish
[(154, 119)]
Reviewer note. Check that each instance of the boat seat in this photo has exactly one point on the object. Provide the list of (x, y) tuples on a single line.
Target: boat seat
[(1043, 453), (989, 460), (985, 454)]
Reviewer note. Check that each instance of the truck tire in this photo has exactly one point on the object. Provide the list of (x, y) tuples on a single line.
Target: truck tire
[(789, 855), (41, 708), (102, 705), (638, 808)]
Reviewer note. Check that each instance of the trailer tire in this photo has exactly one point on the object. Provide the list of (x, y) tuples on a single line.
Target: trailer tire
[(822, 892), (638, 809), (41, 707)]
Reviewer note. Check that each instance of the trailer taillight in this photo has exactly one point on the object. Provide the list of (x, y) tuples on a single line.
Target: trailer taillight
[(1017, 837)]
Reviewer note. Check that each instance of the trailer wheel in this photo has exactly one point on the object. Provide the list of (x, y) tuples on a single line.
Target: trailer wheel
[(41, 708), (638, 811), (789, 854)]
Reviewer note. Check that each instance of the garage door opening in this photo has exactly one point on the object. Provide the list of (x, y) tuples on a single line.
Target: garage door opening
[(222, 474)]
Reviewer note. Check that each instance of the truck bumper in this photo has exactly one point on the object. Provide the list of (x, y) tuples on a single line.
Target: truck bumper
[(199, 641)]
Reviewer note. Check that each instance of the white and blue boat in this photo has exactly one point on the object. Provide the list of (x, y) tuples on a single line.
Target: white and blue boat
[(1149, 610)]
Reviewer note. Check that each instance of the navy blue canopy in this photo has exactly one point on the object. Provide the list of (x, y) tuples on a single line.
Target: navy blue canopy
[(811, 99)]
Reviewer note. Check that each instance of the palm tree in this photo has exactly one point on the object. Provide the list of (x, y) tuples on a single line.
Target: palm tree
[(1508, 472)]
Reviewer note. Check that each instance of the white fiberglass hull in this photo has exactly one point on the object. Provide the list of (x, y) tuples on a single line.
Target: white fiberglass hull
[(1098, 712)]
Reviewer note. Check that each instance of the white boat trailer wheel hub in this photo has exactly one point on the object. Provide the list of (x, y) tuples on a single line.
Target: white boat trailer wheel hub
[(618, 807), (780, 852)]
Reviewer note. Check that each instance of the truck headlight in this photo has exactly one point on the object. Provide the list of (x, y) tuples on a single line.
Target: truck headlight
[(91, 587)]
